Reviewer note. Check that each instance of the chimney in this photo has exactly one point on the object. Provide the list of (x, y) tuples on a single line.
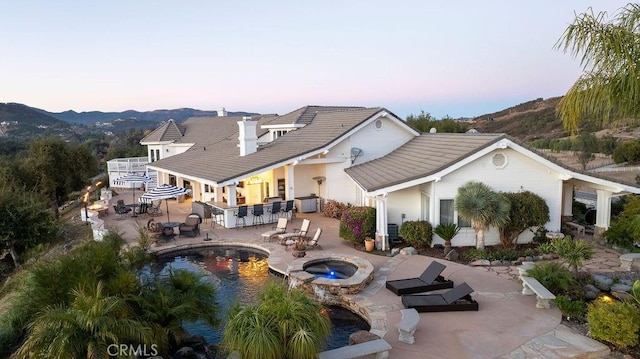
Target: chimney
[(247, 137), (222, 112)]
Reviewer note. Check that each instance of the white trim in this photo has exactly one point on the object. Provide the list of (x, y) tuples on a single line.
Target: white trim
[(564, 173)]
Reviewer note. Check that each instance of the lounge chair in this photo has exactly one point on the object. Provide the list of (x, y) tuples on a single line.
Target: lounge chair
[(296, 234), (191, 225), (280, 228), (429, 280), (312, 243), (455, 299)]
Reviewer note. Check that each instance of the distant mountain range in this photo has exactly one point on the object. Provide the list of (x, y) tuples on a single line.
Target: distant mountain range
[(21, 121), (526, 121)]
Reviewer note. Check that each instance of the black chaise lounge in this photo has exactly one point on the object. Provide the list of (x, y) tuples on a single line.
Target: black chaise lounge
[(429, 280), (454, 300)]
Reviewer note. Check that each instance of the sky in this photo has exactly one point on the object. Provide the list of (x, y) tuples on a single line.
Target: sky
[(448, 58)]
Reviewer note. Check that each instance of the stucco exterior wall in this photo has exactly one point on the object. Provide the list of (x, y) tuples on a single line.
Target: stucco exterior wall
[(519, 173)]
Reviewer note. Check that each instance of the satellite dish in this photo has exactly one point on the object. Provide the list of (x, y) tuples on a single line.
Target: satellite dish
[(355, 152)]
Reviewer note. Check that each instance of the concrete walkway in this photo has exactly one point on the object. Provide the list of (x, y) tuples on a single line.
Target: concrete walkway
[(508, 324)]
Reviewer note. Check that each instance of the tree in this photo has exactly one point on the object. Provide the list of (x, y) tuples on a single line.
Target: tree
[(57, 169), (286, 324), (182, 296), (484, 208), (25, 219), (609, 89), (424, 122), (526, 210), (85, 329), (586, 144)]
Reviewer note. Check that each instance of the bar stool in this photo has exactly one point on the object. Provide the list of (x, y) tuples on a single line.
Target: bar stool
[(217, 216), (288, 209), (240, 215), (258, 212), (274, 211)]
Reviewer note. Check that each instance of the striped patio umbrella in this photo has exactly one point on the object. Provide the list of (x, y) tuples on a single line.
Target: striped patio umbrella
[(134, 179), (164, 191)]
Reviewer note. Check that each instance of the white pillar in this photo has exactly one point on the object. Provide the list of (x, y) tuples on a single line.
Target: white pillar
[(567, 199), (290, 181), (231, 196), (381, 222), (603, 208)]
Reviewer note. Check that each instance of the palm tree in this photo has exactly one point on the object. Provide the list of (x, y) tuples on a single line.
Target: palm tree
[(85, 329), (447, 231), (479, 204), (609, 89), (182, 296), (286, 324)]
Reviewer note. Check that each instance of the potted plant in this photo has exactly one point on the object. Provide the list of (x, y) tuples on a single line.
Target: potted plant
[(369, 244), (447, 231), (299, 248)]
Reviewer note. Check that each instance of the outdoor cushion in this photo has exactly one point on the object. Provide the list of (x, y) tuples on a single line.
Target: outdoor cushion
[(429, 280)]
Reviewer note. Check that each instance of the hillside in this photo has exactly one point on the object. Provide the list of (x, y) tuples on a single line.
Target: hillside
[(526, 121), (20, 121), (92, 117)]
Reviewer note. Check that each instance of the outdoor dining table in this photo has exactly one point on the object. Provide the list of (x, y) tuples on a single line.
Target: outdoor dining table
[(171, 224)]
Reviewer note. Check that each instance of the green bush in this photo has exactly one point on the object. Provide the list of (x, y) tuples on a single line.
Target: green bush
[(573, 252), (417, 233), (358, 223), (624, 230), (527, 210), (552, 276), (571, 308), (615, 322)]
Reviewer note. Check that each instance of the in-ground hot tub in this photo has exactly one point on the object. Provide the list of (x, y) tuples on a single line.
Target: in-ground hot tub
[(314, 275), (330, 268)]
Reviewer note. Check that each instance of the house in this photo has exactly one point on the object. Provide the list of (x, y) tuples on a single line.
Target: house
[(362, 156)]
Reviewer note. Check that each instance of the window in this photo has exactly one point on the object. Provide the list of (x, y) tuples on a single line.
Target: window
[(378, 124), (446, 211), (449, 215)]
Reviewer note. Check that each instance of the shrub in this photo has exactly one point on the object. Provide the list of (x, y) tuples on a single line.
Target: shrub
[(552, 276), (623, 231), (527, 210), (417, 233), (573, 252), (334, 209), (615, 322), (571, 308), (493, 254), (358, 223)]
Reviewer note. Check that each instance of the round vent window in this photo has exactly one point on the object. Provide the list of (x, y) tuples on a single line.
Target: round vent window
[(378, 124), (499, 160)]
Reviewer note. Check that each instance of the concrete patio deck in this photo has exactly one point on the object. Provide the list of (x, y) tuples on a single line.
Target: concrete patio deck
[(508, 324)]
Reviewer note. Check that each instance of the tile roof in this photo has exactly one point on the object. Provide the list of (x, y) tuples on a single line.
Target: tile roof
[(305, 115), (169, 131), (220, 160), (421, 156)]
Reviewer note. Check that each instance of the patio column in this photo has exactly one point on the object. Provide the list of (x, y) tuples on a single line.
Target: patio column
[(382, 236), (290, 182), (231, 196), (603, 208), (567, 201)]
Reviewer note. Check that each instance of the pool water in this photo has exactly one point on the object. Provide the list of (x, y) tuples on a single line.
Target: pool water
[(240, 274)]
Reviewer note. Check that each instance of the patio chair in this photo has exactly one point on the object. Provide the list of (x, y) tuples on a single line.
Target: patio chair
[(312, 243), (280, 228), (288, 209), (155, 210), (154, 229), (258, 214), (121, 211), (296, 234), (191, 225), (274, 211), (240, 215), (429, 280), (454, 300)]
